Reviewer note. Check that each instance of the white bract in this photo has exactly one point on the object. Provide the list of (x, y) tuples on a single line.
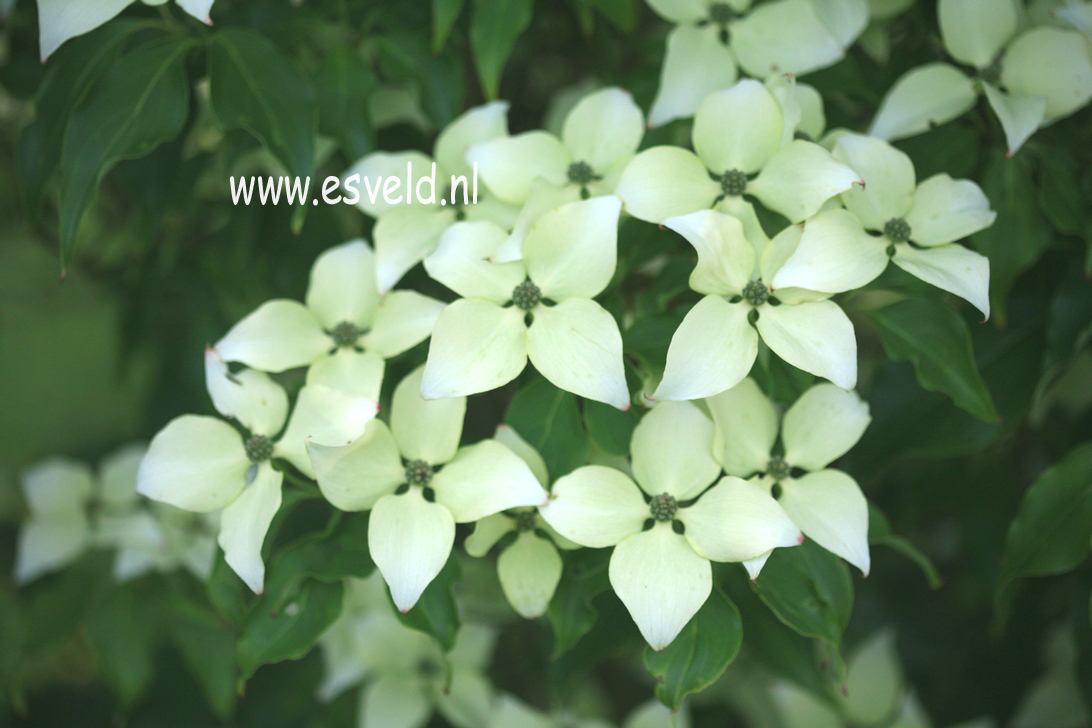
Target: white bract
[(483, 340), (408, 231), (717, 343), (744, 145), (58, 493), (203, 464), (510, 712), (820, 427), (663, 577), (1029, 78), (914, 225), (59, 20), (344, 332), (418, 483), (712, 38)]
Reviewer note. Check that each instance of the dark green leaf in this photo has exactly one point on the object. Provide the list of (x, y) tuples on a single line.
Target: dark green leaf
[(408, 57), (571, 613), (208, 648), (124, 630), (809, 589), (620, 12), (436, 612), (444, 15), (287, 628), (880, 533), (344, 86), (548, 419), (935, 339), (494, 27), (142, 101), (609, 427), (700, 654), (1060, 191)]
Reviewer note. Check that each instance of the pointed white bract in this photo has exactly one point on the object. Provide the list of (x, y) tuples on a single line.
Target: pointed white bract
[(59, 20)]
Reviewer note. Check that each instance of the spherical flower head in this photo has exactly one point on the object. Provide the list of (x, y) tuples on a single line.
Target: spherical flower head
[(721, 13), (526, 295), (259, 448), (581, 173), (733, 182), (346, 334), (418, 472), (897, 230), (756, 293), (663, 507), (778, 469)]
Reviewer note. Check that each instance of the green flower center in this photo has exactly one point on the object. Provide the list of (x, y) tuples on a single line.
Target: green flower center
[(778, 469), (663, 507), (259, 448), (721, 13), (733, 182), (526, 295), (897, 230), (756, 293), (525, 521), (581, 173), (345, 334), (418, 472)]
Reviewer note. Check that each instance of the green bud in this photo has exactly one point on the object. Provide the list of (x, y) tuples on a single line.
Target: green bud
[(897, 230), (756, 293), (663, 507), (345, 334), (418, 472), (733, 182), (526, 295), (259, 448)]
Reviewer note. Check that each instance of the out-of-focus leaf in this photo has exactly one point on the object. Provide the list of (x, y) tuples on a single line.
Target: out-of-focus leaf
[(444, 15), (344, 85), (609, 427), (935, 339), (548, 419), (622, 13), (571, 613), (436, 612), (494, 27), (880, 534), (1060, 191), (288, 628), (809, 589), (125, 631), (700, 654), (208, 648), (408, 57)]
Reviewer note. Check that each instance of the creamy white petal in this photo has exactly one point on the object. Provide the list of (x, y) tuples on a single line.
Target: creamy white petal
[(469, 702), (358, 373), (974, 31), (462, 262), (245, 522), (745, 428), (195, 463), (946, 210), (1079, 15), (49, 544), (785, 36), (542, 198), (823, 425), (846, 19), (59, 20), (738, 128), (596, 507), (377, 169), (427, 430), (577, 346), (754, 568), (831, 510), (58, 485), (952, 268), (662, 582), (511, 713), (324, 416), (924, 97), (486, 478), (572, 251), (726, 258), (278, 335), (695, 64), (476, 346), (198, 9), (410, 540), (118, 475), (508, 165), (834, 254), (249, 396), (394, 701), (604, 127), (403, 237), (529, 571), (712, 350), (404, 319), (681, 11), (888, 175), (664, 182), (800, 178), (354, 476), (342, 287), (480, 124), (816, 336), (813, 120), (487, 532), (1020, 116), (736, 521), (672, 450), (507, 436)]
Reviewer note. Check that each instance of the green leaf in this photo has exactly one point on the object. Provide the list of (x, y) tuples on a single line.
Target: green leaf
[(609, 427), (494, 27), (287, 628), (548, 419), (207, 647), (436, 612), (1060, 190), (444, 15), (123, 628), (700, 654), (620, 12), (571, 612), (407, 57), (936, 340), (809, 589), (344, 85), (880, 534), (254, 86), (142, 101), (1051, 531)]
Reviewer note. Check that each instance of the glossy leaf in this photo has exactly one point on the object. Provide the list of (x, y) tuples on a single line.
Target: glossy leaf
[(809, 589), (444, 15), (547, 418), (571, 612), (609, 427), (494, 27)]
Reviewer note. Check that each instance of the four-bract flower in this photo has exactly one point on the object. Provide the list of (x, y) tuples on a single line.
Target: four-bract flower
[(820, 427), (406, 232), (744, 146), (529, 567), (661, 575), (418, 484), (203, 464), (344, 332), (915, 226), (785, 36), (59, 20), (1042, 75), (716, 344), (58, 492), (539, 307)]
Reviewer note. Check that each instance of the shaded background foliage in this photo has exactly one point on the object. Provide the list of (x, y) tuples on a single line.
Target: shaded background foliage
[(162, 263)]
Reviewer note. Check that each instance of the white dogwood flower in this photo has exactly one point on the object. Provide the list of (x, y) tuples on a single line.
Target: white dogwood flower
[(717, 343), (914, 225), (820, 427), (344, 332), (203, 464), (661, 575), (58, 492), (483, 340), (418, 483), (406, 232), (59, 20), (744, 145), (712, 37)]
